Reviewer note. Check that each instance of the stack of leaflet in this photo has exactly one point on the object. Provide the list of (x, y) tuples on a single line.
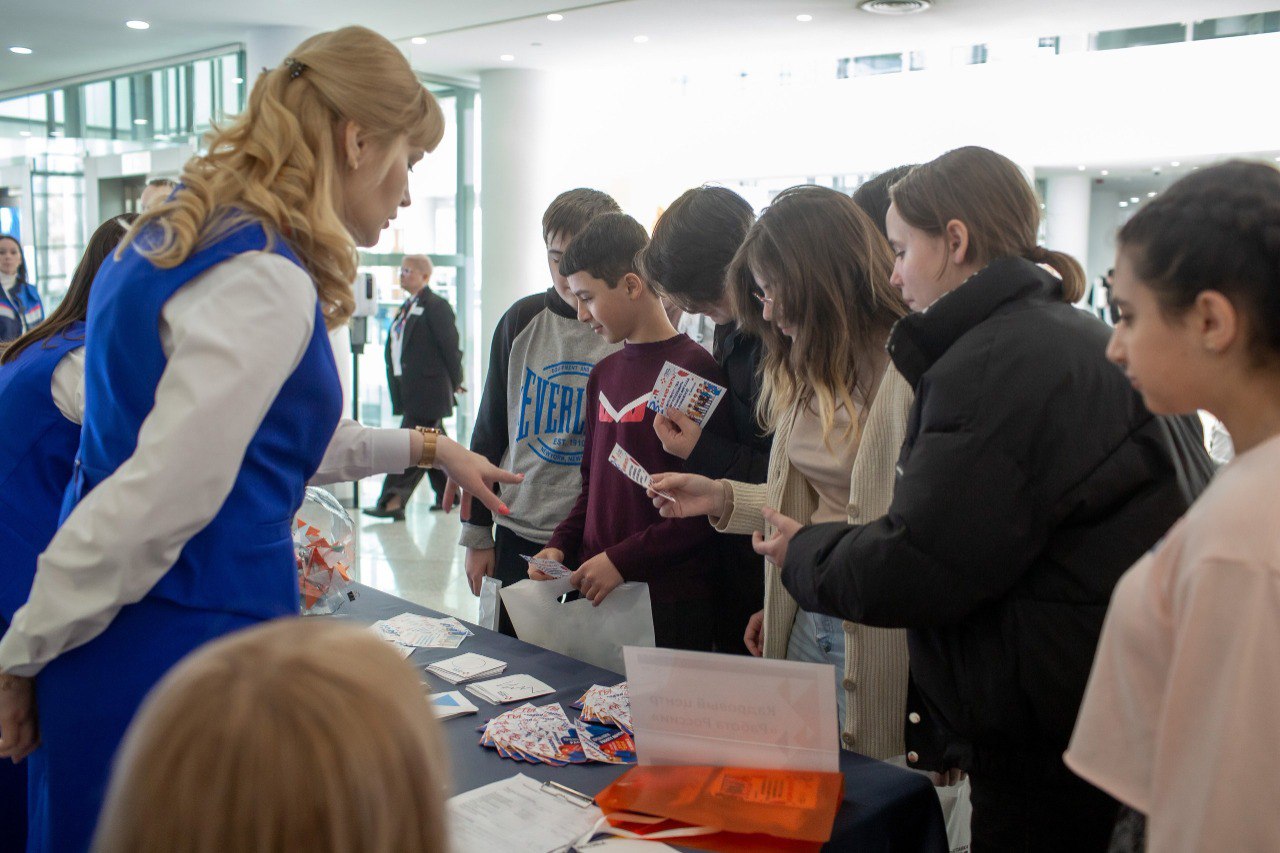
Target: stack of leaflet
[(466, 667), (411, 631), (512, 688), (545, 735), (608, 705)]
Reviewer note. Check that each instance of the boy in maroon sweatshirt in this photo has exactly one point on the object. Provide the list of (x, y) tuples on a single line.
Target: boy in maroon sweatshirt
[(614, 533)]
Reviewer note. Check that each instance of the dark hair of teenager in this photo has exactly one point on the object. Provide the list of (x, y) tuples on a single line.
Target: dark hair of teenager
[(605, 248), (873, 196), (22, 258), (828, 268), (76, 303), (989, 194), (692, 245), (1216, 229), (570, 211)]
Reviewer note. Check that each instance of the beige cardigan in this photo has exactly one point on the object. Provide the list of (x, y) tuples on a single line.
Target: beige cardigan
[(875, 660)]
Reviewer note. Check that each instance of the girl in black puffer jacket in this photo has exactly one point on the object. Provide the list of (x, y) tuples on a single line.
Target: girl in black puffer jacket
[(1031, 477)]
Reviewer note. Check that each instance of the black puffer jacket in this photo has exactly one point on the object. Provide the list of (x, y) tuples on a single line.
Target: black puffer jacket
[(1031, 478)]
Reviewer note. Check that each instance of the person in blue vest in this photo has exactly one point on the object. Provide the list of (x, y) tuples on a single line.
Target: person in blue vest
[(212, 399), (41, 407), (20, 305)]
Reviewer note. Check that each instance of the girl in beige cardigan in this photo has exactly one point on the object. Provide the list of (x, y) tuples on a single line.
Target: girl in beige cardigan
[(820, 270)]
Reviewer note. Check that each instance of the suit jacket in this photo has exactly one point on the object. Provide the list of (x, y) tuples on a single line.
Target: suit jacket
[(430, 360)]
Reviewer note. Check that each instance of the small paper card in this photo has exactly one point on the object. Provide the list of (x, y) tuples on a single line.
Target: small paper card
[(465, 667), (627, 464), (678, 388), (451, 704), (510, 688), (695, 708), (552, 568)]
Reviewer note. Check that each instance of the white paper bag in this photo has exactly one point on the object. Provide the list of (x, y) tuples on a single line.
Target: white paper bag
[(489, 589), (577, 628)]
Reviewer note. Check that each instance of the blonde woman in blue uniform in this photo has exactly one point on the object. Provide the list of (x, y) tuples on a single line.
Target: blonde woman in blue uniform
[(212, 398)]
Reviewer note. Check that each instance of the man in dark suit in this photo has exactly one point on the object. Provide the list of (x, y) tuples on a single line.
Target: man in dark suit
[(424, 371)]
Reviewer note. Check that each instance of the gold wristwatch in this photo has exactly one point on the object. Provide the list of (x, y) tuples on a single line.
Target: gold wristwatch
[(430, 435)]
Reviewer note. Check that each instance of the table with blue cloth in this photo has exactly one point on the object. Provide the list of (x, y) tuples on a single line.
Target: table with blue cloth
[(886, 809)]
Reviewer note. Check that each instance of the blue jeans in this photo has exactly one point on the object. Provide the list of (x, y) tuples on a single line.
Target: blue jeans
[(816, 638)]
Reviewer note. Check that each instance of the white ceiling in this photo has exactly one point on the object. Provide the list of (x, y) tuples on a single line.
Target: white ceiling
[(74, 37)]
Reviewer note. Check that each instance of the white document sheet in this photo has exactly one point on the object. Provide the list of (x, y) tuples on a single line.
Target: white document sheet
[(516, 816), (732, 711)]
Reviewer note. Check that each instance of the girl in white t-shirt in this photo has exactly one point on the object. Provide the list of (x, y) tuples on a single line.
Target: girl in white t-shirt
[(1179, 719)]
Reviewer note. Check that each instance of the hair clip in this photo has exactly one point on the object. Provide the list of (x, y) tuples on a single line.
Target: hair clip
[(295, 68)]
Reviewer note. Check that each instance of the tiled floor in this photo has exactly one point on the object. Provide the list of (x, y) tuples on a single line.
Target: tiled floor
[(419, 558)]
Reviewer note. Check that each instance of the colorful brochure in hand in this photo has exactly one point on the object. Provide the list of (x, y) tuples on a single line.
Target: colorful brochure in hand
[(511, 688), (678, 388), (627, 464), (551, 568), (465, 667), (451, 704)]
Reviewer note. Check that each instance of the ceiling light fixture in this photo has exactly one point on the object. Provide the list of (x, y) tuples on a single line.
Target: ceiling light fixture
[(640, 39), (1124, 204), (506, 57), (1175, 164), (804, 19), (1151, 195), (21, 51), (1134, 200), (895, 7), (1105, 173), (555, 16), (418, 40), (137, 25), (1079, 168)]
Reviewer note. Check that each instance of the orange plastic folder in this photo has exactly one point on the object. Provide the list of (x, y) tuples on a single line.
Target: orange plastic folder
[(751, 810)]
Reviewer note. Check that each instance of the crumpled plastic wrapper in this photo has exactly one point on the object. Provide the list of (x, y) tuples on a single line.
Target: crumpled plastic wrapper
[(324, 543)]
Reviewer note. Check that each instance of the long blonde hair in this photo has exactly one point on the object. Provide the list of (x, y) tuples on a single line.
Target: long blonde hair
[(304, 735), (829, 267), (277, 162)]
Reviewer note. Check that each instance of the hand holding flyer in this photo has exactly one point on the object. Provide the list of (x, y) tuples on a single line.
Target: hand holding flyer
[(678, 388), (551, 568), (627, 464)]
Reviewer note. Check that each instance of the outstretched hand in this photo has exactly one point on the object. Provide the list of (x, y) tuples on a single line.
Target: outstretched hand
[(686, 495), (470, 476), (19, 730)]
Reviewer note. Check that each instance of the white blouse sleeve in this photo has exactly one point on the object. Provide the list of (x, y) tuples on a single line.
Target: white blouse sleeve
[(358, 451), (233, 336), (68, 386)]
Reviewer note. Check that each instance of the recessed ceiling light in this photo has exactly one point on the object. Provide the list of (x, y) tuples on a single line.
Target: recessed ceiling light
[(506, 57), (804, 19), (21, 51), (1124, 204), (139, 121), (1134, 200), (1151, 195), (555, 16), (418, 40), (1105, 173), (137, 25), (640, 39), (1175, 164), (1079, 168), (895, 7)]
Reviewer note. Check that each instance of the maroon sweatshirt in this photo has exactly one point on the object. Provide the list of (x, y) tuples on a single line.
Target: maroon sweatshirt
[(612, 513)]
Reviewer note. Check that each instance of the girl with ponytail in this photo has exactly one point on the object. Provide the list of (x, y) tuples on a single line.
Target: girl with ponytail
[(1181, 703), (1030, 477), (211, 400)]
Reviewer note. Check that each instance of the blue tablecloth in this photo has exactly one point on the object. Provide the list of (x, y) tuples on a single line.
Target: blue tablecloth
[(886, 809)]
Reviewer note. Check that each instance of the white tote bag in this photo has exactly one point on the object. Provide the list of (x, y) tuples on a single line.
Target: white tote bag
[(577, 628)]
